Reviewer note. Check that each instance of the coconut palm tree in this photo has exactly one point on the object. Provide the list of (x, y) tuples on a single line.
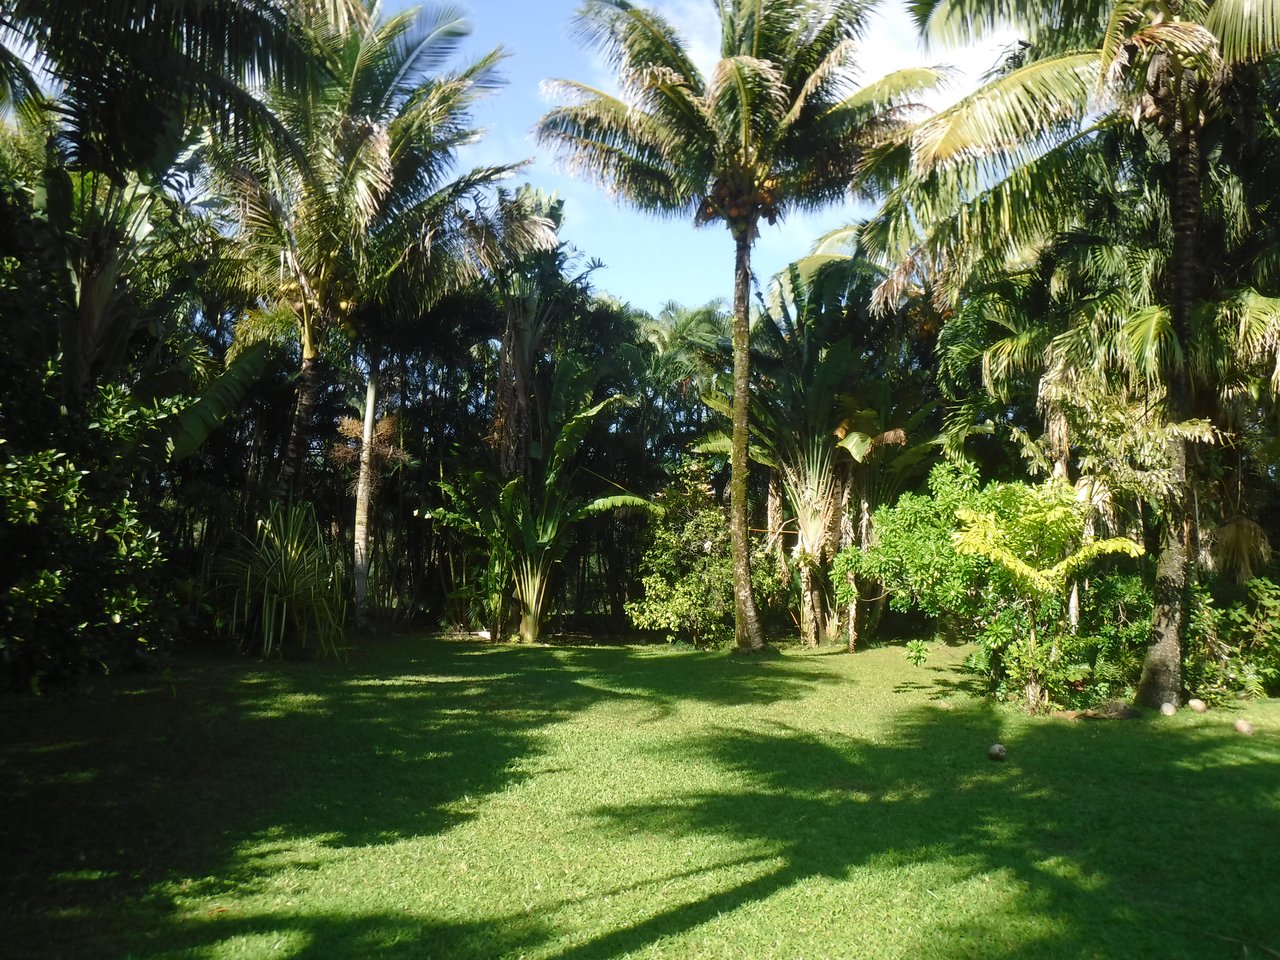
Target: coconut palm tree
[(132, 75), (775, 126), (374, 201), (375, 225)]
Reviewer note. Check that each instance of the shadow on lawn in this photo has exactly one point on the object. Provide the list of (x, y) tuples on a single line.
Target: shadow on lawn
[(1124, 839), (109, 798), (109, 804)]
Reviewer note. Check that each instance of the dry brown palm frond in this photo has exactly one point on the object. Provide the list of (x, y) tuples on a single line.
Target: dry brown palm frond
[(1241, 545), (346, 452)]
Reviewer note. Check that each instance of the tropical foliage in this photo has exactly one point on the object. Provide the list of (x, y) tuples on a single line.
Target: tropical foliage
[(776, 126), (275, 354)]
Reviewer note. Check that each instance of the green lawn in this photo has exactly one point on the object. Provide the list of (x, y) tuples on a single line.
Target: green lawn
[(452, 800)]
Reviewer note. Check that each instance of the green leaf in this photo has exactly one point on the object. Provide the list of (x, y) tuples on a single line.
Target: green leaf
[(192, 427)]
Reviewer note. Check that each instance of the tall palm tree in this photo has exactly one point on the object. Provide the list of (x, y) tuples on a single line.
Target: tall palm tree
[(776, 126), (374, 225), (379, 136), (132, 74), (1009, 168)]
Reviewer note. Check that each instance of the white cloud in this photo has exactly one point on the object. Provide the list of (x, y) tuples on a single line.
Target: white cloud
[(697, 23), (892, 43)]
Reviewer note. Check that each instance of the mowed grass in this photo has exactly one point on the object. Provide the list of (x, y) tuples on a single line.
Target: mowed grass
[(439, 799)]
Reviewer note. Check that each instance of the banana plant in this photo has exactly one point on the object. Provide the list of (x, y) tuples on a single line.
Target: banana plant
[(528, 524)]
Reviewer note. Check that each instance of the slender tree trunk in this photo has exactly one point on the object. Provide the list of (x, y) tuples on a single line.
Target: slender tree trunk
[(773, 520), (843, 538), (512, 422), (1161, 680), (851, 628), (295, 451), (747, 629), (364, 493)]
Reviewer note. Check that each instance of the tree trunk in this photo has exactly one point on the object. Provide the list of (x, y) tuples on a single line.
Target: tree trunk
[(774, 521), (364, 494), (1161, 680), (512, 422), (295, 451), (809, 609), (851, 627), (747, 629)]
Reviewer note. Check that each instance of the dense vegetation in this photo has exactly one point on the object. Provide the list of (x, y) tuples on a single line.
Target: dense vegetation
[(278, 369)]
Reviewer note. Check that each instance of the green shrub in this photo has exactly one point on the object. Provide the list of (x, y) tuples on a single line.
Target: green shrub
[(994, 565), (914, 557), (1235, 650), (687, 568), (79, 568)]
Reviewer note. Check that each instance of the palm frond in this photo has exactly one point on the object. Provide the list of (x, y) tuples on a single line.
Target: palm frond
[(1009, 112), (1247, 30)]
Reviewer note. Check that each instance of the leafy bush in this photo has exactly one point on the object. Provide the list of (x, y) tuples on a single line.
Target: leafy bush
[(1235, 650), (687, 568), (994, 565), (287, 584), (914, 556), (79, 568)]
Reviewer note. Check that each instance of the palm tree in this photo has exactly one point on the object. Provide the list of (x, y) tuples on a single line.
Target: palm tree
[(776, 126), (1007, 170), (132, 75), (528, 522), (373, 228)]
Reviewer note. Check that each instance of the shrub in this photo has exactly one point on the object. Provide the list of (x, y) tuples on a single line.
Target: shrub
[(687, 568), (914, 558), (1235, 650), (994, 565), (79, 568)]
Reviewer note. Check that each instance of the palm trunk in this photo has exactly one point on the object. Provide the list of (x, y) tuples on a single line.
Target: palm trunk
[(512, 421), (773, 520), (1161, 680), (843, 538), (808, 608), (747, 629), (531, 584), (295, 450), (364, 493)]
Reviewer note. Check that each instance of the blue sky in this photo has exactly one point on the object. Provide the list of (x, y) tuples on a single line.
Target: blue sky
[(649, 261)]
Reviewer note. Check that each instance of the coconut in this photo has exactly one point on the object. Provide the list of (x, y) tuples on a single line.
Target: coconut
[(1199, 706), (997, 751), (1168, 709), (1245, 727)]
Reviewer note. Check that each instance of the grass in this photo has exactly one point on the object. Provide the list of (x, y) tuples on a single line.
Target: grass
[(435, 799)]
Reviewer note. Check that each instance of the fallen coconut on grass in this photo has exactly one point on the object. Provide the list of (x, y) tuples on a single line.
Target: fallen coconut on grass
[(1198, 705)]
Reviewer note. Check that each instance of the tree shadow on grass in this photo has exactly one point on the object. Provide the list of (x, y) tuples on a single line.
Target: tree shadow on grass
[(941, 682), (1121, 840), (207, 783)]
